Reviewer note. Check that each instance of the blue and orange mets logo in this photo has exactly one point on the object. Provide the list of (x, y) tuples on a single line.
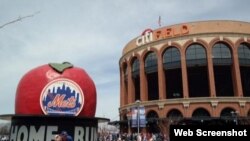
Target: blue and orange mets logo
[(62, 97)]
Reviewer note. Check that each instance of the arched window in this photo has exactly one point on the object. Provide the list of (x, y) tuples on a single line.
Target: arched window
[(151, 62), (244, 62), (172, 58), (135, 67), (222, 61), (172, 71), (221, 54), (196, 55), (244, 54), (152, 122), (174, 114), (200, 113), (227, 112), (151, 70), (230, 115), (152, 115), (196, 59), (136, 77)]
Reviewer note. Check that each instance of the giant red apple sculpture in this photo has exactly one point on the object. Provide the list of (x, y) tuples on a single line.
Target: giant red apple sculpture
[(56, 89)]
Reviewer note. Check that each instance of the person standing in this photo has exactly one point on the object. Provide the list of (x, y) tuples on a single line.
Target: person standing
[(150, 137), (139, 137)]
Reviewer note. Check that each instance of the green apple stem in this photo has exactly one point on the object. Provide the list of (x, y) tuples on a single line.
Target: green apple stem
[(60, 67)]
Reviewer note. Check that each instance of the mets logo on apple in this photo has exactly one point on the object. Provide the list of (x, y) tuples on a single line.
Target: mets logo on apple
[(62, 97)]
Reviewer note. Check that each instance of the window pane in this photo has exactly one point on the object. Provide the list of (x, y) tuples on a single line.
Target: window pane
[(194, 54), (244, 54), (151, 62), (136, 65), (221, 54), (171, 57)]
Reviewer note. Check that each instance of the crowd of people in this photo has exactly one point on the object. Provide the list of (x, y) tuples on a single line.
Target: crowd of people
[(132, 137), (112, 137)]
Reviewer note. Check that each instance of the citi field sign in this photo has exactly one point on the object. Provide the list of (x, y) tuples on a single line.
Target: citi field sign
[(150, 35)]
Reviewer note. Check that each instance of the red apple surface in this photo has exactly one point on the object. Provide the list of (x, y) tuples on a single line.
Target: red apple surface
[(56, 89)]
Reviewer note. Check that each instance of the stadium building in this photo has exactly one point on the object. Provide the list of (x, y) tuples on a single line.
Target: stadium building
[(196, 70)]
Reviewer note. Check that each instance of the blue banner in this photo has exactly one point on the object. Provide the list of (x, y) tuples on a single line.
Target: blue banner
[(138, 117)]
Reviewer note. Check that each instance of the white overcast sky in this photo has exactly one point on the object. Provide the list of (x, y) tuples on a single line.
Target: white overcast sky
[(90, 34)]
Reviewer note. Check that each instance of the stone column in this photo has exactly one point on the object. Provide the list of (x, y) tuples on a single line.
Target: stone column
[(161, 79), (184, 75), (143, 82), (211, 73), (131, 87), (236, 74)]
